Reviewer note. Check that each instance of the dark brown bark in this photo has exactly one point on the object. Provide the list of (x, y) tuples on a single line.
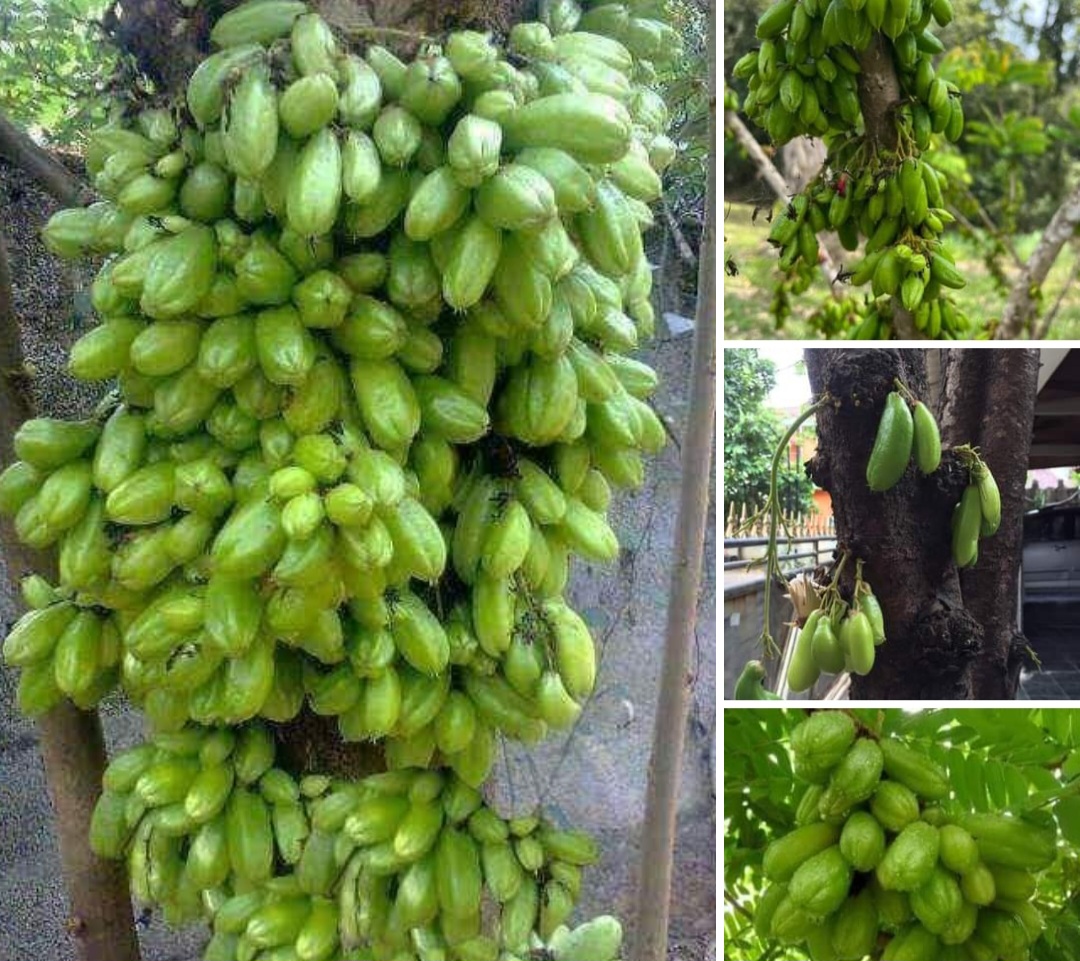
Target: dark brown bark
[(72, 746), (166, 39), (311, 744), (902, 535), (1003, 382)]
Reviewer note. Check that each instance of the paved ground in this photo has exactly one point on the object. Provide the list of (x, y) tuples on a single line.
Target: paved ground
[(1054, 634)]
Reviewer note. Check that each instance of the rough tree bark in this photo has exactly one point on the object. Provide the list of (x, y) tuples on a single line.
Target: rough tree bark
[(42, 166), (166, 40), (72, 745), (941, 643)]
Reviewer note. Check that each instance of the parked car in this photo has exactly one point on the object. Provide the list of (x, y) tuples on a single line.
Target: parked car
[(1051, 560)]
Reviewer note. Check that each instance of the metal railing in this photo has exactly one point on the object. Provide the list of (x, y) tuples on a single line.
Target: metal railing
[(739, 544)]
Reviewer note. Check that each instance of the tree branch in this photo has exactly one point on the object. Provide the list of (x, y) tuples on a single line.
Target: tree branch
[(1022, 303), (658, 843), (16, 146), (72, 746), (775, 180), (765, 166), (1049, 317), (686, 252), (879, 93)]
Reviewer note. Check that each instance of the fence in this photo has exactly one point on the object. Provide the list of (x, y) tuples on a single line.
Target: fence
[(802, 552), (1036, 496)]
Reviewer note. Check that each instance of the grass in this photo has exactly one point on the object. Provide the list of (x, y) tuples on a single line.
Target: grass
[(747, 296)]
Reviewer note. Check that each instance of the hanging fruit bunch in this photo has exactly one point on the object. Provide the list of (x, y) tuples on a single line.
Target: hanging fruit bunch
[(978, 514), (837, 635), (804, 80), (904, 431), (370, 323), (882, 859)]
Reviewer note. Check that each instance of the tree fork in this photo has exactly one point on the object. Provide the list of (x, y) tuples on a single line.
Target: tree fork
[(71, 741)]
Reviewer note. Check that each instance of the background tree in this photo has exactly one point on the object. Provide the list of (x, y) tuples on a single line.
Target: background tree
[(751, 432)]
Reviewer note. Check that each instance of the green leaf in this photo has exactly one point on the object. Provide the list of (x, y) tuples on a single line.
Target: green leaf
[(1067, 811)]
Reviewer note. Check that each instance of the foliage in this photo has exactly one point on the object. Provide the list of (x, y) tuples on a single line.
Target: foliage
[(1017, 760), (55, 65), (684, 83), (751, 432)]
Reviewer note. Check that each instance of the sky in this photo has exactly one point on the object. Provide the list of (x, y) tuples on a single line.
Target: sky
[(792, 387)]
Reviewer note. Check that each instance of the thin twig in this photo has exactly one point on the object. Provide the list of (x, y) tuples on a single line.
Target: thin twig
[(740, 908), (388, 33), (1022, 301), (686, 252), (1051, 315)]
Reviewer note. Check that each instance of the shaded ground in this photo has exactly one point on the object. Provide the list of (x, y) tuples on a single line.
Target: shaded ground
[(594, 778)]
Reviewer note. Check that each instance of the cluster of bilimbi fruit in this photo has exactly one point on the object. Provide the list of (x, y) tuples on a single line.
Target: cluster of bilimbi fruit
[(838, 637), (369, 322), (291, 869), (803, 80), (905, 432), (881, 864)]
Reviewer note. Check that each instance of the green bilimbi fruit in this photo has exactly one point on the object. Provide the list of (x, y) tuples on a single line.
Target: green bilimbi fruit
[(989, 499), (828, 653), (967, 522), (927, 439), (892, 444), (803, 670), (304, 438)]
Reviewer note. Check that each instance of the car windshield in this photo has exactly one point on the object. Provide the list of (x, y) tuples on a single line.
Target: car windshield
[(1052, 526)]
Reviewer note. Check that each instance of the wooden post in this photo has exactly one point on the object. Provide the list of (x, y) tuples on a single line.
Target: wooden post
[(658, 843)]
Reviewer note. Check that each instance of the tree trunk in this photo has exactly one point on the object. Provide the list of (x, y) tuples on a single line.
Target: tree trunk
[(72, 746), (168, 39), (1004, 382), (941, 643)]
